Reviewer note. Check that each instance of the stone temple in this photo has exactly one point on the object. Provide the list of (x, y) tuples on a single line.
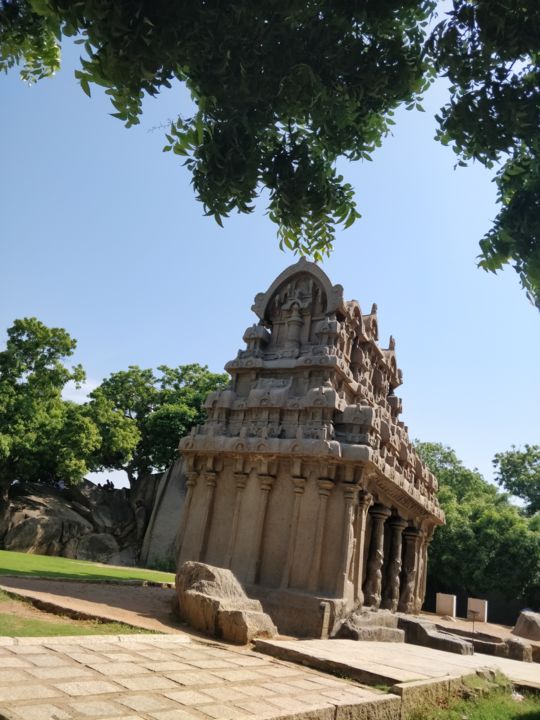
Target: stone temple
[(303, 481)]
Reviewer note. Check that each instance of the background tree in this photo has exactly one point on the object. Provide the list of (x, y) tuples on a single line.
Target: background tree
[(518, 471), (282, 88), (160, 408), (487, 544), (44, 438)]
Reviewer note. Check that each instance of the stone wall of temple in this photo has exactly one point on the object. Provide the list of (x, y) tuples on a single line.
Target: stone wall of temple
[(303, 480)]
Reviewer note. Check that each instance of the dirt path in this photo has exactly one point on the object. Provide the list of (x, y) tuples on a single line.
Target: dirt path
[(144, 607)]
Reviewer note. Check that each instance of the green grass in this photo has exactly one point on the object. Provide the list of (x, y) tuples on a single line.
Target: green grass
[(485, 700), (47, 566), (11, 625), (496, 706)]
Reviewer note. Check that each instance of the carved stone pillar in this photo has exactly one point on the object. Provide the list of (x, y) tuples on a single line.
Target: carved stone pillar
[(346, 574), (411, 538), (299, 487), (364, 502), (240, 482), (206, 515), (373, 584), (266, 483), (391, 590), (420, 595), (325, 488), (191, 481)]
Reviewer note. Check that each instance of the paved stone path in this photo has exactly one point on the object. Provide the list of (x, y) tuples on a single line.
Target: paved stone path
[(168, 678), (394, 662)]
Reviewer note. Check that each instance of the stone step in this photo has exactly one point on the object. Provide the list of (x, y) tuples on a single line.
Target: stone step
[(376, 633)]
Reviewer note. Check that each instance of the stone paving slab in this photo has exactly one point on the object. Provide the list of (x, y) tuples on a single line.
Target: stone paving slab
[(376, 662), (137, 678)]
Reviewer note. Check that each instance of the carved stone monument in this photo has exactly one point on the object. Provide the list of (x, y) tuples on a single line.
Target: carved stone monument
[(303, 481)]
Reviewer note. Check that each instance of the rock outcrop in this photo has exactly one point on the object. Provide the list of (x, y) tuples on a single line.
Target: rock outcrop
[(528, 625), (86, 522), (211, 600)]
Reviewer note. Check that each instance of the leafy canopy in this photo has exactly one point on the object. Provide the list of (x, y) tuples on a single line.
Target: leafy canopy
[(518, 471), (487, 544), (159, 407), (282, 88), (42, 437)]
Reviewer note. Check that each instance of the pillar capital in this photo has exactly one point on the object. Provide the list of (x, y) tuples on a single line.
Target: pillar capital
[(240, 479), (325, 486), (350, 492), (398, 522), (380, 511), (299, 484), (267, 481)]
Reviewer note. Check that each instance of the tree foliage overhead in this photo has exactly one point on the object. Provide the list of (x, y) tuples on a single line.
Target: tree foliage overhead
[(487, 544), (282, 88)]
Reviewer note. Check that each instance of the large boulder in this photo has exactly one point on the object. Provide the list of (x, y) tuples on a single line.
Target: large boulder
[(528, 625), (212, 600), (87, 522), (44, 524), (99, 547)]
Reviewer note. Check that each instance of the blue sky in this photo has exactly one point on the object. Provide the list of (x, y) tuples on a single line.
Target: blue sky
[(100, 233)]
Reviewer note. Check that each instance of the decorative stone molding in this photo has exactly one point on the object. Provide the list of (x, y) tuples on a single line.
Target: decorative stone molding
[(295, 451)]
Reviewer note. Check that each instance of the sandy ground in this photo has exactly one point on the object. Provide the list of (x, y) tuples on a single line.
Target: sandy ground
[(144, 607)]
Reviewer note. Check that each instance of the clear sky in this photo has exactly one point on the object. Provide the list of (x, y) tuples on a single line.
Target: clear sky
[(100, 233)]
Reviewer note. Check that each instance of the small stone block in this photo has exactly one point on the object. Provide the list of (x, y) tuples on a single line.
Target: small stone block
[(386, 707), (222, 712), (13, 676), (147, 682), (48, 660), (41, 712), (189, 697), (477, 609), (144, 703), (195, 678), (92, 687), (445, 604), (175, 714), (59, 673), (119, 668), (97, 707), (18, 692)]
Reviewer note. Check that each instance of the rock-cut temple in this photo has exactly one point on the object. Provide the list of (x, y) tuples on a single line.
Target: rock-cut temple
[(304, 481)]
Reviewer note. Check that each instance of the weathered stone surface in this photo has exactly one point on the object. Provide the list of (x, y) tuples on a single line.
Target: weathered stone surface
[(43, 524), (518, 649), (100, 547), (420, 632), (212, 600), (528, 625), (87, 522), (296, 451), (381, 626)]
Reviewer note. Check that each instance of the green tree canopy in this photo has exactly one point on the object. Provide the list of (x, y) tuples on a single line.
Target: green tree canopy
[(518, 471), (284, 88), (487, 544), (160, 408), (43, 438)]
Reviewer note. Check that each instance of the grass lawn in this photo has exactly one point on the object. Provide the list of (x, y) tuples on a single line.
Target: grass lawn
[(23, 620), (487, 700), (47, 566), (498, 706)]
